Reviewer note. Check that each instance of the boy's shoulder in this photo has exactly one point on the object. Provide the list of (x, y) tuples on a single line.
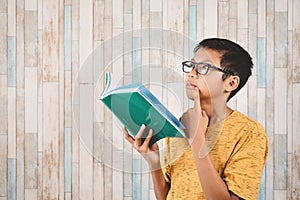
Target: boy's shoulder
[(239, 119)]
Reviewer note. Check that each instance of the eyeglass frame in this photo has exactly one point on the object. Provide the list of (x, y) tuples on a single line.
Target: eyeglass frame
[(205, 64)]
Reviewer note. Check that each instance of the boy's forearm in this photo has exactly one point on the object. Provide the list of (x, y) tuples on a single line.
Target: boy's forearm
[(212, 184), (161, 187)]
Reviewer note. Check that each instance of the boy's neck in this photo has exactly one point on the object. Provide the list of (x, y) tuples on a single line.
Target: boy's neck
[(216, 110)]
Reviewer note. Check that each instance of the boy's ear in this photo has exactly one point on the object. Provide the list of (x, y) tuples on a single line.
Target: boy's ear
[(232, 83)]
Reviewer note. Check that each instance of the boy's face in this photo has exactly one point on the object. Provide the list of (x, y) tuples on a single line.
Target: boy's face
[(211, 85)]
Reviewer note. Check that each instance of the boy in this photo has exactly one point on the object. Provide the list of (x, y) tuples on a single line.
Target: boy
[(224, 153)]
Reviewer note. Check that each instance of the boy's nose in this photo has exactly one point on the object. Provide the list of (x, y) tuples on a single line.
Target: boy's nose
[(193, 73)]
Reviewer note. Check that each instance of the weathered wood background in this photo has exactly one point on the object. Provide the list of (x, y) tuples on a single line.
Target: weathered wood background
[(57, 141)]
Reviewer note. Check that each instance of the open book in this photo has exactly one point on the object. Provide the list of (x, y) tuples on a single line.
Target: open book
[(135, 105)]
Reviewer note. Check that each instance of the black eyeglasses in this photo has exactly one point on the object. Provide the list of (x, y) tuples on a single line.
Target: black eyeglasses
[(201, 68)]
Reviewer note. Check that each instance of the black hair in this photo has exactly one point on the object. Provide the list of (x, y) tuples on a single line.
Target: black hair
[(233, 58)]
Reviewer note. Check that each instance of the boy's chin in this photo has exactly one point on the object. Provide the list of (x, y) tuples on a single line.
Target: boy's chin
[(190, 95)]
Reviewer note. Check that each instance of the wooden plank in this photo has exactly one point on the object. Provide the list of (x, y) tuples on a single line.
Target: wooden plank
[(252, 43), (108, 148), (280, 165), (75, 181), (136, 60), (68, 99), (223, 19), (262, 187), (3, 39), (117, 174), (200, 20), (31, 36), (296, 143), (11, 178), (31, 5), (156, 6), (40, 175), (281, 5), (252, 102), (280, 101), (281, 40), (261, 18), (75, 19), (31, 194), (145, 14), (261, 112), (31, 161), (31, 104), (242, 14), (252, 8), (290, 14), (85, 173), (11, 17), (68, 38), (192, 29), (20, 154), (280, 194), (108, 9), (12, 124), (50, 140), (145, 179), (68, 196), (127, 7), (127, 181), (136, 15), (61, 71), (68, 160), (11, 61), (99, 20), (20, 47), (117, 13), (270, 96), (20, 105), (261, 62), (210, 18), (86, 142), (3, 165), (86, 41), (3, 105), (296, 43), (40, 14), (3, 6), (136, 179), (98, 186), (99, 82), (289, 176), (145, 41), (50, 41)]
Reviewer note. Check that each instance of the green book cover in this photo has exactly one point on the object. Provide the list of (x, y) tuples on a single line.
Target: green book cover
[(135, 105)]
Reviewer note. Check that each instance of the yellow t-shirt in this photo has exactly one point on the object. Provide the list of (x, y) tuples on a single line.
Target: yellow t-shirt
[(238, 148)]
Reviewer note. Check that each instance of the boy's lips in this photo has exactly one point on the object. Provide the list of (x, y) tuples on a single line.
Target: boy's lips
[(190, 85)]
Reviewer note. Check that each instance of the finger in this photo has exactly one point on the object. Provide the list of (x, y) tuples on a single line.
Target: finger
[(197, 99), (139, 135), (127, 136), (148, 138)]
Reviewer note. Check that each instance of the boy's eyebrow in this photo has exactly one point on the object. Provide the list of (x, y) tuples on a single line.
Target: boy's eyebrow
[(203, 61)]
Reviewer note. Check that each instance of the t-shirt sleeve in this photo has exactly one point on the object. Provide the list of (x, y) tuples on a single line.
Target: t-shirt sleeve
[(244, 168), (166, 160)]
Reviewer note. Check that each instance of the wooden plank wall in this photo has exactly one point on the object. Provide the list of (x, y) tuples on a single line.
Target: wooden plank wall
[(58, 141)]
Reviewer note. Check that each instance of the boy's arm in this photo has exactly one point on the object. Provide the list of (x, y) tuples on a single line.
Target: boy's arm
[(212, 184), (161, 187)]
